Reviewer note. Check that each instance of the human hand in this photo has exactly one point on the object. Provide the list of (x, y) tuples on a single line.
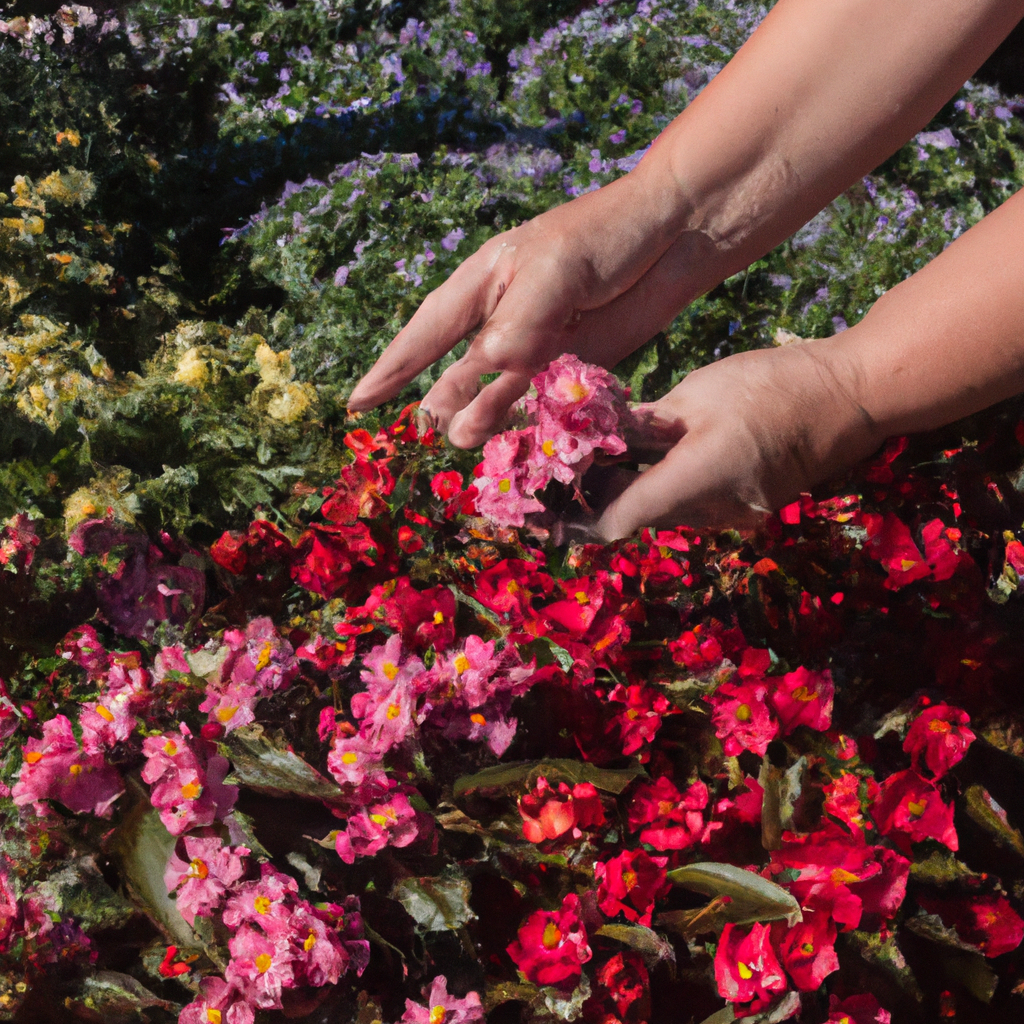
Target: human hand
[(744, 436), (597, 276)]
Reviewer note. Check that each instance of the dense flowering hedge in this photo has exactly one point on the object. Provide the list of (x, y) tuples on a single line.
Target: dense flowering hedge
[(315, 718)]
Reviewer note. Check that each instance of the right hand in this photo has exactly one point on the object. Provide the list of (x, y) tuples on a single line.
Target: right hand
[(596, 276)]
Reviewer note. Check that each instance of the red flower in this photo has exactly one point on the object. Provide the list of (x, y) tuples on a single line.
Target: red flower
[(634, 876), (807, 950), (425, 618), (890, 542), (261, 545), (641, 719), (746, 968), (622, 992), (668, 819), (939, 737), (802, 697), (863, 1009), (911, 808), (843, 799), (988, 922), (548, 813), (552, 945), (741, 717)]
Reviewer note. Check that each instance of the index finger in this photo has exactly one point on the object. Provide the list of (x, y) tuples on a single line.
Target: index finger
[(443, 319)]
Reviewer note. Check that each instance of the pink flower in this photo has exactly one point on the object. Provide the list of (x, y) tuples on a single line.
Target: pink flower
[(638, 724), (203, 880), (746, 968), (939, 737), (187, 780), (54, 768), (355, 761), (260, 967), (318, 955), (217, 1003), (387, 707), (548, 813), (807, 949), (741, 717), (862, 1009), (552, 945), (668, 819), (266, 902), (259, 657), (82, 646), (632, 876), (442, 1008), (105, 723), (911, 808), (391, 822), (988, 922), (10, 912), (802, 697), (503, 493)]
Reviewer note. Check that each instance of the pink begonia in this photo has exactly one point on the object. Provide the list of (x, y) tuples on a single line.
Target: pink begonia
[(802, 697), (319, 956), (391, 822), (259, 657), (939, 737), (55, 768), (387, 708), (355, 761), (265, 901), (232, 706), (578, 411), (202, 881), (260, 967), (82, 646), (187, 780), (443, 1008), (217, 1001), (105, 722), (668, 819), (742, 718)]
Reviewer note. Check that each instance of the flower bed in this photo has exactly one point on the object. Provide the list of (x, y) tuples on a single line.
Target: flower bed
[(311, 717)]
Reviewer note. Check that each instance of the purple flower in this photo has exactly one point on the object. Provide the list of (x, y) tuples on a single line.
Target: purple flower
[(450, 242), (617, 138)]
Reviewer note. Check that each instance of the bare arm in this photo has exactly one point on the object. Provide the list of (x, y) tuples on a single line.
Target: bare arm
[(822, 92)]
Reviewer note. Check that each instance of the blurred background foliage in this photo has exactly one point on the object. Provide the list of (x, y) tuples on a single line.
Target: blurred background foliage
[(216, 213)]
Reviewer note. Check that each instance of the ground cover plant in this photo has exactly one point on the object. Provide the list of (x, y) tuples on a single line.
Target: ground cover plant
[(312, 717)]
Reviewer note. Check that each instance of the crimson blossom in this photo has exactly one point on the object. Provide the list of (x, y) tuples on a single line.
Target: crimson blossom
[(938, 738), (552, 945), (746, 967)]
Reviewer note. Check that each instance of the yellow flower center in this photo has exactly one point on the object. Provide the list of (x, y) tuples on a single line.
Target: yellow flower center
[(461, 663), (75, 769), (437, 1014), (390, 670), (938, 725), (225, 715), (263, 962), (743, 713), (505, 486), (264, 659), (349, 757), (552, 935), (802, 693), (478, 719), (808, 948), (310, 941), (379, 819), (104, 713), (745, 972), (170, 748), (261, 904), (438, 618), (840, 876), (197, 868), (577, 391), (33, 757), (548, 448), (212, 1016), (665, 808), (581, 597), (191, 790), (632, 714), (917, 809), (629, 879), (394, 710)]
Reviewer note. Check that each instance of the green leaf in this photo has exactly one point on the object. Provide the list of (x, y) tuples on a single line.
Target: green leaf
[(555, 770), (648, 943), (143, 845), (435, 904), (752, 898), (109, 997), (981, 812), (265, 765)]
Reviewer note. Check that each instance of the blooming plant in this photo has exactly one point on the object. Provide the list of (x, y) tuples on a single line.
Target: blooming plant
[(310, 717)]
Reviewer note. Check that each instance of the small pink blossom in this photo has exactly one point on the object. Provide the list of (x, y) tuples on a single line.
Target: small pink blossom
[(742, 718), (217, 1001), (55, 768), (391, 822), (202, 881), (266, 901), (443, 1008), (260, 967), (802, 697)]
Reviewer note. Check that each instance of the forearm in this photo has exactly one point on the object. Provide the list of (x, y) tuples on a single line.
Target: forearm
[(821, 93), (948, 341)]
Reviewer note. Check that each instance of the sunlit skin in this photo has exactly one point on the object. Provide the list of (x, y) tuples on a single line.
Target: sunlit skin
[(819, 95)]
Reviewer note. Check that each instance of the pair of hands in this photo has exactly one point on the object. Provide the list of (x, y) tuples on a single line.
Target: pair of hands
[(740, 437)]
